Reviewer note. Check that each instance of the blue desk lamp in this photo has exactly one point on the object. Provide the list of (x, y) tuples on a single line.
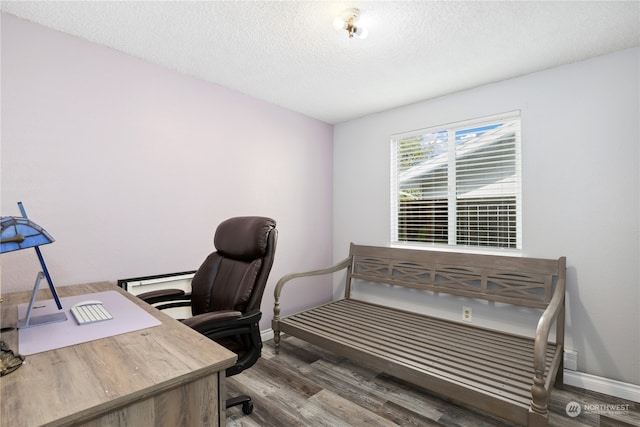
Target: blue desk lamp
[(18, 233)]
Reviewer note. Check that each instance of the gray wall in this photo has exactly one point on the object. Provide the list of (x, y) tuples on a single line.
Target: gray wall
[(580, 150)]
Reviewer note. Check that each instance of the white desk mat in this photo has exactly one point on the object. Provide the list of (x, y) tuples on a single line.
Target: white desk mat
[(127, 317)]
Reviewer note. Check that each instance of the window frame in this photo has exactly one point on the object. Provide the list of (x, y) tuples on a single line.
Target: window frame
[(453, 199)]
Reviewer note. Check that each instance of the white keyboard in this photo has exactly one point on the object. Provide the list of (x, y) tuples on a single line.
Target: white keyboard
[(87, 312)]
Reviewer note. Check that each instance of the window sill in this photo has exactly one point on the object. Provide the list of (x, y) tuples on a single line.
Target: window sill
[(459, 248)]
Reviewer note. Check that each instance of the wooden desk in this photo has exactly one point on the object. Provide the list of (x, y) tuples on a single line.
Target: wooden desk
[(168, 375)]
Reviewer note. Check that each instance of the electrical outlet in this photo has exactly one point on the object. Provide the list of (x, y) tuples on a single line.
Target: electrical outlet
[(571, 360), (467, 314)]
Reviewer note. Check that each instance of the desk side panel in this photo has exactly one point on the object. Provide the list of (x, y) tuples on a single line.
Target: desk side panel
[(196, 404)]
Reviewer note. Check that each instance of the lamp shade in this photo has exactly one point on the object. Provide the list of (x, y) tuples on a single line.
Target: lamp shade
[(20, 233)]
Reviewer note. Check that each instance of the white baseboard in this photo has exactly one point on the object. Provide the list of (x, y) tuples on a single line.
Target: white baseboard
[(267, 334), (602, 385), (577, 379)]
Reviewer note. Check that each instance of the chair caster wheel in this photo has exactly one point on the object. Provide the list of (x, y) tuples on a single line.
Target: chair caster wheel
[(247, 408)]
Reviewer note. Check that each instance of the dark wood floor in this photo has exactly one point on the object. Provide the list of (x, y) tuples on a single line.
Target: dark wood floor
[(308, 386)]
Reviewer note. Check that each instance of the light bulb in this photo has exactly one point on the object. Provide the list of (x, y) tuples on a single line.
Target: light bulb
[(361, 32), (339, 24)]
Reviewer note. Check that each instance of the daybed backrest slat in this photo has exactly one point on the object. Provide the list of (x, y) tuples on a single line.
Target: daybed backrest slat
[(521, 281)]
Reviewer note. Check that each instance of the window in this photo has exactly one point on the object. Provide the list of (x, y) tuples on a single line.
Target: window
[(458, 184)]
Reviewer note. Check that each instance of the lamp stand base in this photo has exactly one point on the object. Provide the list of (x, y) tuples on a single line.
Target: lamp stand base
[(41, 320), (44, 319)]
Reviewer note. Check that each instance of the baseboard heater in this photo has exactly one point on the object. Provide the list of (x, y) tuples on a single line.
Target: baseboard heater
[(180, 280)]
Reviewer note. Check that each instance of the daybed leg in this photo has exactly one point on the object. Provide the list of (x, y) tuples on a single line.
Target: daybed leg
[(275, 324), (539, 411), (276, 341), (538, 420)]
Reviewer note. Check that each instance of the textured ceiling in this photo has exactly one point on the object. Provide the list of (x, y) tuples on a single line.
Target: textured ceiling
[(287, 52)]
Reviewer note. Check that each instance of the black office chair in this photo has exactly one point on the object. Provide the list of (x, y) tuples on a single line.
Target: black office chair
[(227, 291)]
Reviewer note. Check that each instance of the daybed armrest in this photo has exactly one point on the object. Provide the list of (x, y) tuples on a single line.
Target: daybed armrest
[(538, 390), (275, 322), (332, 269)]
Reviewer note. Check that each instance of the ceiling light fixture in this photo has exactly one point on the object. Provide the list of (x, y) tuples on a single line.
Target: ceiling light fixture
[(349, 24)]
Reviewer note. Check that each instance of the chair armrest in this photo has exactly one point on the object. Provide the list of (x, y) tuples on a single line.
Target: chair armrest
[(211, 319), (163, 295), (224, 323), (243, 327)]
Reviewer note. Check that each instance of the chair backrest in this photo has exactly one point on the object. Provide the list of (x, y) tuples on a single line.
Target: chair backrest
[(235, 275)]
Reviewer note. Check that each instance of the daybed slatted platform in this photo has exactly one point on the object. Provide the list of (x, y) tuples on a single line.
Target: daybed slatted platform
[(502, 373)]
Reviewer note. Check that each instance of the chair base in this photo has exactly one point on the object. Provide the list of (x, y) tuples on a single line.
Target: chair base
[(244, 400)]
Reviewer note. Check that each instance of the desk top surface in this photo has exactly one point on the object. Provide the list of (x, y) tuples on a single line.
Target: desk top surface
[(83, 380)]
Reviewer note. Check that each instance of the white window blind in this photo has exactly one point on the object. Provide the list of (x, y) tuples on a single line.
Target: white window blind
[(459, 184)]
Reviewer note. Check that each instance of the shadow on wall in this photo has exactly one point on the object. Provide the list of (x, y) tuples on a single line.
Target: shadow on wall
[(585, 335)]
